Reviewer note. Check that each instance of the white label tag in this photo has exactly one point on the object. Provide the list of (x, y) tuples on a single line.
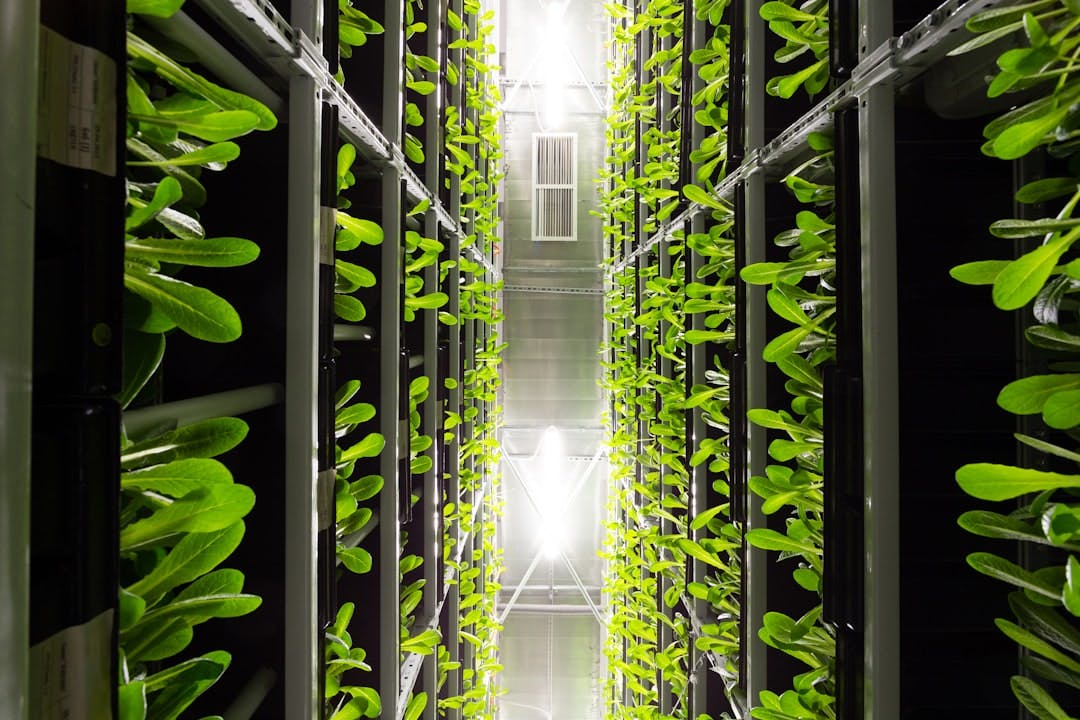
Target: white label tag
[(69, 673), (327, 234), (76, 105)]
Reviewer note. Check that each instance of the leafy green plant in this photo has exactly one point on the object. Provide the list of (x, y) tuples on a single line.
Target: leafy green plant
[(181, 516), (801, 292), (351, 233), (1047, 603), (804, 27), (181, 513), (347, 702), (354, 27), (649, 536), (186, 130)]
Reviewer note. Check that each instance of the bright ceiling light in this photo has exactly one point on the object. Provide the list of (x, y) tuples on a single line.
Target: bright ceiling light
[(549, 491), (554, 64)]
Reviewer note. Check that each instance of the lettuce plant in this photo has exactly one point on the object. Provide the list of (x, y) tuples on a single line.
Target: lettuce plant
[(804, 27), (181, 516), (801, 293), (1046, 603)]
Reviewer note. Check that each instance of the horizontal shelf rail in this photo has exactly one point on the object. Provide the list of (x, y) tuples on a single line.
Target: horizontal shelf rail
[(191, 410)]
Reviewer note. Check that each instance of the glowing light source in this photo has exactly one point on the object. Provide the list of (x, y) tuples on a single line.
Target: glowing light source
[(555, 73), (549, 492)]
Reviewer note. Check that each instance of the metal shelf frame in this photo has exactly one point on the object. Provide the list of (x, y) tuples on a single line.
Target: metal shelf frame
[(19, 56)]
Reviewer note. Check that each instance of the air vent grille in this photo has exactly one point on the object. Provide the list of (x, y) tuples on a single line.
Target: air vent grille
[(554, 181)]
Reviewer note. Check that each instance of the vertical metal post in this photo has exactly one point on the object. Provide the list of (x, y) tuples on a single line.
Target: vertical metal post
[(881, 402), (432, 541), (664, 633), (455, 395), (755, 568), (877, 163), (18, 84), (389, 667), (303, 656)]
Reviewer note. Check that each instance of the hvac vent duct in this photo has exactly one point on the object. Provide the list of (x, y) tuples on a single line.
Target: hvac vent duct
[(554, 186)]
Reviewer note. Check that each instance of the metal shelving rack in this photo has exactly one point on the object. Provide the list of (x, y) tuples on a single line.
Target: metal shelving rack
[(293, 54), (882, 63)]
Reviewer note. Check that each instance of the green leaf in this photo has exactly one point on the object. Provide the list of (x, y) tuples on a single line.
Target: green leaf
[(130, 608), (1040, 191), (1023, 278), (207, 438), (1032, 696), (355, 275), (157, 641), (695, 550), (157, 8), (775, 10), (1047, 447), (431, 301), (1070, 593), (416, 706), (423, 643), (771, 540), (1021, 138), (982, 272), (224, 581), (1046, 622), (369, 447), (698, 196), (364, 702), (413, 148), (142, 357), (696, 337), (366, 487), (421, 87), (357, 560), (1052, 337), (200, 668), (131, 701), (420, 208), (221, 152), (197, 311), (195, 555), (203, 510), (174, 699), (1062, 410), (195, 84), (988, 481), (195, 610), (702, 518), (995, 525), (177, 479), (355, 414), (1029, 395), (1001, 569), (167, 192), (1036, 644), (1017, 228), (345, 393), (215, 127), (349, 308), (204, 252)]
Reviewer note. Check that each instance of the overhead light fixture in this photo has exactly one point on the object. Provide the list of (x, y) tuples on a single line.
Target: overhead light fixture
[(549, 492), (554, 73)]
